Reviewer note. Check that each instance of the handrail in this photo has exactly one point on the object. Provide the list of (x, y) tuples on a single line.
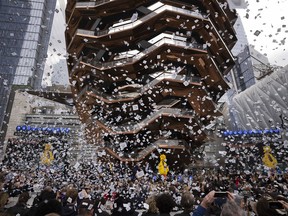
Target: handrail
[(75, 66), (131, 25), (82, 92), (124, 129), (152, 14), (90, 4), (88, 33), (149, 149), (131, 96), (138, 56)]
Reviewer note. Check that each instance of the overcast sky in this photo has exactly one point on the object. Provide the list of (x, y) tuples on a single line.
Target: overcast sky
[(266, 25)]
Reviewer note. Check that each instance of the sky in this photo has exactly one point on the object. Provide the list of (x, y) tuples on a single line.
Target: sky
[(55, 71), (266, 25)]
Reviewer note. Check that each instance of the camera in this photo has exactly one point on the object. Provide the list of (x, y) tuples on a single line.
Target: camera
[(275, 205), (220, 194)]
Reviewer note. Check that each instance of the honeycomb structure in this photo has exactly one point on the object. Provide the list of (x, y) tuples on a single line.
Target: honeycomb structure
[(147, 74)]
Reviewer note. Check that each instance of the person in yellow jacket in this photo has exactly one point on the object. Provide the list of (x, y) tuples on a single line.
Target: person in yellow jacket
[(163, 168)]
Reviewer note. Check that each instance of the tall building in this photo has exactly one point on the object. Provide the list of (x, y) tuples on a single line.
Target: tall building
[(24, 35), (250, 67), (147, 74)]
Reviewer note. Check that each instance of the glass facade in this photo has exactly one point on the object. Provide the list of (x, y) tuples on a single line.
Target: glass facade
[(24, 34)]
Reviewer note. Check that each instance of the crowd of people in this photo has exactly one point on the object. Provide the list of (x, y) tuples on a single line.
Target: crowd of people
[(98, 188)]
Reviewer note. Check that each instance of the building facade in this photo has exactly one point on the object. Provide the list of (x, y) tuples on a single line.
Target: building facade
[(24, 36), (147, 74), (44, 116)]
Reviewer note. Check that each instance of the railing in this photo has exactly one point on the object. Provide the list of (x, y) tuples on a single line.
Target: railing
[(90, 4), (138, 22), (138, 56), (75, 66), (131, 96), (151, 15), (126, 25), (150, 118), (82, 92), (149, 149)]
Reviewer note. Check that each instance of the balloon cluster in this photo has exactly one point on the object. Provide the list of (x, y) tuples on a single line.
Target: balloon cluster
[(251, 132), (42, 130)]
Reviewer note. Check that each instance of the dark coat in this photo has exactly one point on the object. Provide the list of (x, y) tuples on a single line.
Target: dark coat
[(69, 210), (184, 213), (149, 214), (19, 208), (100, 213)]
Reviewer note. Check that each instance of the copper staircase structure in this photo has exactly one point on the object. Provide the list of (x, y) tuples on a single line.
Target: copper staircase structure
[(147, 74)]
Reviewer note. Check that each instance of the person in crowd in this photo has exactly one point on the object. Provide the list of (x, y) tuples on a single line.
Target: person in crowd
[(47, 207), (2, 180), (21, 205), (70, 207), (4, 196), (123, 207), (187, 202), (165, 203), (86, 207), (205, 204), (230, 208), (268, 205), (152, 207), (46, 194), (99, 207)]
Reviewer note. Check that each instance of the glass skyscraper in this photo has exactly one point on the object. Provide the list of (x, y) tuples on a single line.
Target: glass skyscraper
[(24, 36)]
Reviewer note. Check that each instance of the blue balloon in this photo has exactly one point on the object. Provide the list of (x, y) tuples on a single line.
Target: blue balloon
[(240, 132), (23, 127), (18, 128)]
